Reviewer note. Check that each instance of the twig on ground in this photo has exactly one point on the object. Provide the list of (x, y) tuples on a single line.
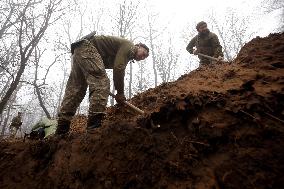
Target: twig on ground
[(276, 118)]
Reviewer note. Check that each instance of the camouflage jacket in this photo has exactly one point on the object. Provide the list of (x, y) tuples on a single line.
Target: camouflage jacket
[(115, 52), (206, 44), (16, 122)]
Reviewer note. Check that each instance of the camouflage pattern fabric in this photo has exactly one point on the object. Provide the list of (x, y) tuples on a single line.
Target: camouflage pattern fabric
[(90, 59), (87, 70), (15, 125), (116, 53), (207, 44)]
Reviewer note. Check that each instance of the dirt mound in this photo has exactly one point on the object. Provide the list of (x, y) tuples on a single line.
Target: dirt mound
[(216, 127)]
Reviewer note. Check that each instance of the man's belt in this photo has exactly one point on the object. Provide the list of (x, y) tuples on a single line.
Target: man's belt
[(79, 42)]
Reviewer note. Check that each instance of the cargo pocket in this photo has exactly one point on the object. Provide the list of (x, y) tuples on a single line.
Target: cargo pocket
[(92, 62)]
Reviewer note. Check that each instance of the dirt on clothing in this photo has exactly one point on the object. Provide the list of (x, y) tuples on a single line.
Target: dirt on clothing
[(216, 127)]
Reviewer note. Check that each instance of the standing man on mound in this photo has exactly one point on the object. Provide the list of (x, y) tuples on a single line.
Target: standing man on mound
[(92, 55), (206, 43)]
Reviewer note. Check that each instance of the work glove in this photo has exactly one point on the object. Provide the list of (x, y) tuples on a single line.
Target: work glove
[(120, 98), (195, 52), (220, 58)]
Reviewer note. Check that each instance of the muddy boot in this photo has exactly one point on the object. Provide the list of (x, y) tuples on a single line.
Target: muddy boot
[(62, 127), (94, 121)]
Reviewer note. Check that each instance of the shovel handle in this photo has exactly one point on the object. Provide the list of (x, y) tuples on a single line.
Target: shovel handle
[(209, 57), (130, 105)]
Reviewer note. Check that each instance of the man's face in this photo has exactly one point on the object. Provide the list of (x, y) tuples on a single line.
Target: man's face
[(141, 54), (203, 29)]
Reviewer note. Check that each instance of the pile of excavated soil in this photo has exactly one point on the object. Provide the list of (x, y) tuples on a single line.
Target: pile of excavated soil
[(216, 127)]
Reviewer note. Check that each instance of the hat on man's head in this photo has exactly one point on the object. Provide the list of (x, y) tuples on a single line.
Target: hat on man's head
[(200, 24)]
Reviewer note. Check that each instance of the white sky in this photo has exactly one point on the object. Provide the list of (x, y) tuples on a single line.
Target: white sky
[(183, 11)]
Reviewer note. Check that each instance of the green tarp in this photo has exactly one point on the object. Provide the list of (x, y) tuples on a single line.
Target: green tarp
[(49, 126)]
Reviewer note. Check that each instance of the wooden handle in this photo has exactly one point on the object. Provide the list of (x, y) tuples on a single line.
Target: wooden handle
[(209, 57), (130, 105)]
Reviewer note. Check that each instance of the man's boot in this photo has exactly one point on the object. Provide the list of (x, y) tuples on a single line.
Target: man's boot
[(62, 127), (94, 121)]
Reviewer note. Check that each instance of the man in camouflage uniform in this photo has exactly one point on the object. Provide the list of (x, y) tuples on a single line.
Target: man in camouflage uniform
[(91, 56), (16, 124), (206, 43)]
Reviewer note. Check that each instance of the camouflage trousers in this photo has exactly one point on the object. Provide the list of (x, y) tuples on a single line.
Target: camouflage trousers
[(204, 61), (13, 131), (87, 70)]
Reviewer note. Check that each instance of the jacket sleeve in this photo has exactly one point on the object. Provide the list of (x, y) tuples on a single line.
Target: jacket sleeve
[(120, 63), (217, 48), (191, 44)]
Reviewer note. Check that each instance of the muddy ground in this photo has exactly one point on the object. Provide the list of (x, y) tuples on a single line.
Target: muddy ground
[(216, 127)]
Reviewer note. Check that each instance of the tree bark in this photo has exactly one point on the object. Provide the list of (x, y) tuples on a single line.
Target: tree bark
[(13, 85), (41, 103), (6, 121), (130, 81)]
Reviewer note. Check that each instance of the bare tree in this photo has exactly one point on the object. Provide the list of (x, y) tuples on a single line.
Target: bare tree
[(38, 87), (27, 41), (61, 89), (233, 32), (153, 34), (9, 16), (166, 62), (125, 23), (142, 78), (189, 32), (5, 119), (275, 5), (96, 20)]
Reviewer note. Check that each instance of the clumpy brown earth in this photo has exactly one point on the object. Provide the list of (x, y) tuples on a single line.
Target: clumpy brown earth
[(216, 127)]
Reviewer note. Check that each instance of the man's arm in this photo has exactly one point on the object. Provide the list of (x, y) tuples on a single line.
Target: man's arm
[(120, 63), (191, 44)]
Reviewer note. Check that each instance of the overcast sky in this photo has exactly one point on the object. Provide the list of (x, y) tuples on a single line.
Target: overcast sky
[(183, 11)]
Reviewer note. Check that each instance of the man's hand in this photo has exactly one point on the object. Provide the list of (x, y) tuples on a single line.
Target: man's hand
[(220, 58), (195, 52), (120, 98)]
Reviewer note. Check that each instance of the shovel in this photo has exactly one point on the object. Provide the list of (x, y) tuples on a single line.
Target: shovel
[(130, 105), (138, 111), (210, 57)]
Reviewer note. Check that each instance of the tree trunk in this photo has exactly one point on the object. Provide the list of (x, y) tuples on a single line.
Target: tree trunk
[(130, 81), (60, 96), (13, 85), (112, 99), (6, 121), (4, 88), (153, 57), (41, 103)]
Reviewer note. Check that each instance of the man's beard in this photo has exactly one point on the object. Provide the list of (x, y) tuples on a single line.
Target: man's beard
[(205, 32)]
